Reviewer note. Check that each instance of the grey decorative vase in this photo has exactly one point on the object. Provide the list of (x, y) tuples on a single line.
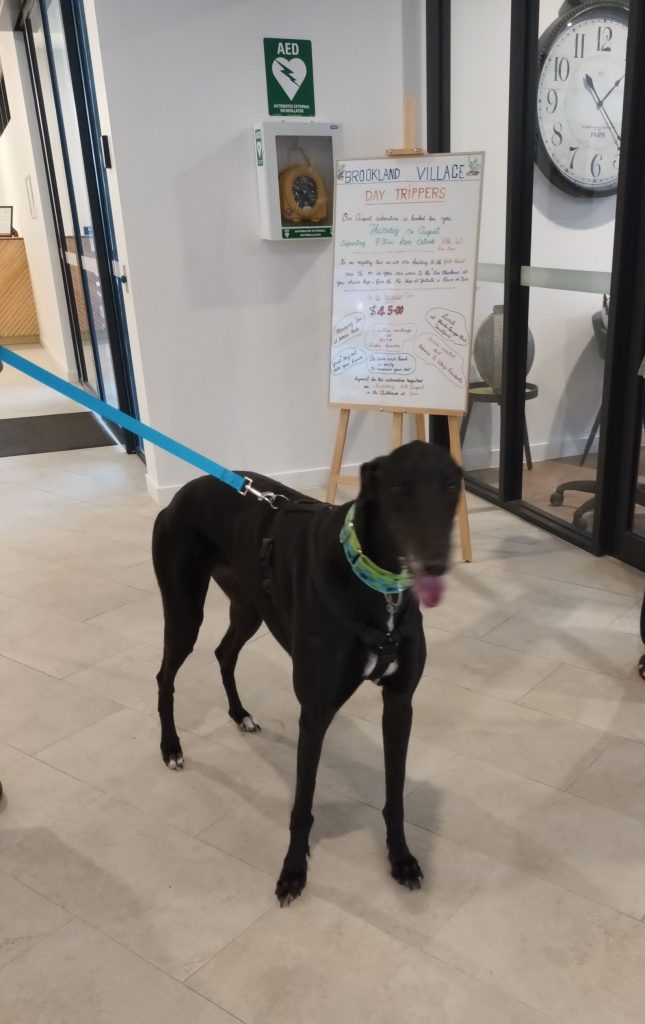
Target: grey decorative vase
[(487, 350)]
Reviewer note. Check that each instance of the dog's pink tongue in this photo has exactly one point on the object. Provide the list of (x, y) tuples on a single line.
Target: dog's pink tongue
[(429, 590)]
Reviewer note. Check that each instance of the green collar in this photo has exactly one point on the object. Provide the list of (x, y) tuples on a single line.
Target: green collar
[(371, 574)]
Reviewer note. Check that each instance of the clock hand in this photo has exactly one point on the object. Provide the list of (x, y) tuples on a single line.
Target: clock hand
[(610, 124), (591, 89), (614, 86), (601, 108)]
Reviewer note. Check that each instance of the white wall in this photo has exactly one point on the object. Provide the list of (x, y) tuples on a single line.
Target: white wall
[(567, 232), (21, 157), (231, 333)]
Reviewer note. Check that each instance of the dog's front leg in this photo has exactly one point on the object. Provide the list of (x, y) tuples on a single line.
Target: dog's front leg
[(293, 877), (397, 722)]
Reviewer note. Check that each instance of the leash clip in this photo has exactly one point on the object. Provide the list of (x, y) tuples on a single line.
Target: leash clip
[(269, 497)]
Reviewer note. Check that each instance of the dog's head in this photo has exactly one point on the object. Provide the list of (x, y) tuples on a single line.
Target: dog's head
[(416, 489)]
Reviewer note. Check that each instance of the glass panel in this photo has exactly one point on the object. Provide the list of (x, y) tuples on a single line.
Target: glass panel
[(91, 282), (479, 120), (579, 114), (49, 114), (563, 402)]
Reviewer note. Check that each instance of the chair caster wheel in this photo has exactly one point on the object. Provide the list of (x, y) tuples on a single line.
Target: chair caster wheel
[(581, 524), (556, 499)]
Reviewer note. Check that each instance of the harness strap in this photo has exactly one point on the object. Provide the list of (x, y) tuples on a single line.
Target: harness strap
[(383, 644), (308, 505)]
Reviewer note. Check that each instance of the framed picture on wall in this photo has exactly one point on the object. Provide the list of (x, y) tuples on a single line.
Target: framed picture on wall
[(6, 221)]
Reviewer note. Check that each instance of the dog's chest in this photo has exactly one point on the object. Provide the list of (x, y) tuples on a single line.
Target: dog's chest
[(371, 661)]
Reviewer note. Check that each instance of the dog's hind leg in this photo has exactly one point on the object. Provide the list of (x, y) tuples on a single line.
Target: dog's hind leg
[(183, 573), (245, 621)]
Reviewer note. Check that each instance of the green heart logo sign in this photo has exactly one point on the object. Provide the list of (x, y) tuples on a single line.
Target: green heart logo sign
[(290, 77), (290, 74)]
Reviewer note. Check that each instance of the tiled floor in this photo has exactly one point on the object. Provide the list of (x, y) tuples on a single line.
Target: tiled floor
[(131, 894), (22, 396)]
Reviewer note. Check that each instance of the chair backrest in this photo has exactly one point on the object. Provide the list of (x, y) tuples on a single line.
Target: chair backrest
[(599, 322)]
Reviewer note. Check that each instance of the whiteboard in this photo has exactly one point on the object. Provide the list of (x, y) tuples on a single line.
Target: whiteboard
[(405, 265)]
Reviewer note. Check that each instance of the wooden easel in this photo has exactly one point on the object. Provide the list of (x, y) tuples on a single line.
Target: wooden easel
[(454, 419)]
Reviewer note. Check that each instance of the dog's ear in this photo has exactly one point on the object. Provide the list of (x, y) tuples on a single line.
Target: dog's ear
[(369, 476)]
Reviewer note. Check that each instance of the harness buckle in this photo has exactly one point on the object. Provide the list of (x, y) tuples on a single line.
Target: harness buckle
[(270, 497)]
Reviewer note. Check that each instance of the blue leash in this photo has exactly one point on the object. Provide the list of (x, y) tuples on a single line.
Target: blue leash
[(242, 484)]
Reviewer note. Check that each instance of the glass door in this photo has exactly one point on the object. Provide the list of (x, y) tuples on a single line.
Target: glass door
[(76, 163), (560, 313), (85, 254), (64, 208), (581, 66), (621, 473)]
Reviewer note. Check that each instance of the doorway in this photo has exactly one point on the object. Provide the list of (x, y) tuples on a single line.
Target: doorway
[(76, 158), (554, 433)]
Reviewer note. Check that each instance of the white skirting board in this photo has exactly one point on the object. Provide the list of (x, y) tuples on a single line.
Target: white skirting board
[(299, 479), (487, 458)]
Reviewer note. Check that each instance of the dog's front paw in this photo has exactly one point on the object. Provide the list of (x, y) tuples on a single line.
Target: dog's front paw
[(292, 880), (249, 724), (407, 871), (172, 754)]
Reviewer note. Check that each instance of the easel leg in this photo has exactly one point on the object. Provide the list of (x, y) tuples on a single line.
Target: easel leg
[(420, 421), (337, 458), (397, 430), (462, 509)]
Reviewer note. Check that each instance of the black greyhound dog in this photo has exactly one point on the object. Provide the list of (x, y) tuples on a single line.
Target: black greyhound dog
[(339, 588)]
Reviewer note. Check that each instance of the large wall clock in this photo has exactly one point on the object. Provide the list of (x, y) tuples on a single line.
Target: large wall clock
[(580, 97)]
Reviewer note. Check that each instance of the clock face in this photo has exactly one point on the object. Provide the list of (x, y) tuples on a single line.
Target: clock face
[(580, 100)]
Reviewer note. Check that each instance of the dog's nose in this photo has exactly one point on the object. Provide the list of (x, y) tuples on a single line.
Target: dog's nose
[(434, 568)]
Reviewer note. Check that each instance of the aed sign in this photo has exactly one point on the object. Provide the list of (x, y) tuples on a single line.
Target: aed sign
[(290, 77)]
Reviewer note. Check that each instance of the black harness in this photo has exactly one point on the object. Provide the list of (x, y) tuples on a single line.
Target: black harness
[(383, 644)]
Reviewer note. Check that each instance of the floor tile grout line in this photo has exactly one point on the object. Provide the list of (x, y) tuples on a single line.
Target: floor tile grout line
[(496, 626), (77, 919), (42, 896), (96, 795), (532, 873), (582, 772), (524, 778), (120, 799), (633, 607), (559, 629), (490, 986), (44, 936), (482, 691), (210, 959), (498, 563), (557, 667), (64, 739), (574, 721), (511, 703), (567, 582), (88, 620), (23, 664)]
